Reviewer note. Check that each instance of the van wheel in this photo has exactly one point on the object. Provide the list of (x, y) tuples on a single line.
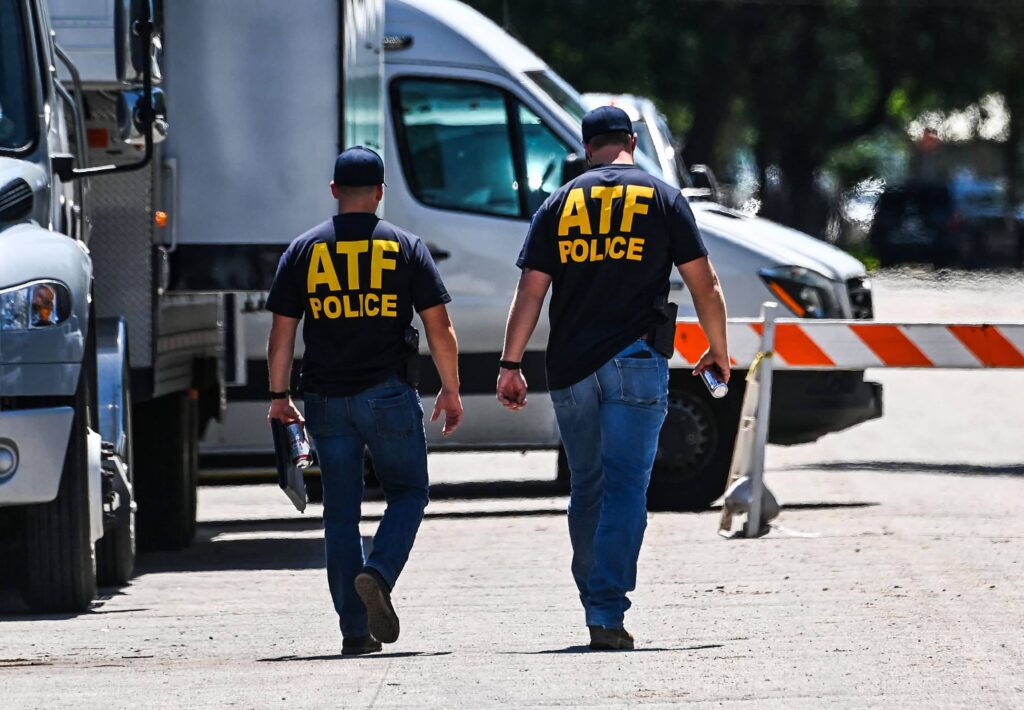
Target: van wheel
[(60, 560), (695, 448), (167, 467), (115, 552)]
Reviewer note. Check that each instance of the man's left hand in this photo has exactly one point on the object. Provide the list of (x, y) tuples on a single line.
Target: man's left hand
[(512, 389)]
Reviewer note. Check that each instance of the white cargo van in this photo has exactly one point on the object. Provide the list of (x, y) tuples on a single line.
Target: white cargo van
[(478, 131)]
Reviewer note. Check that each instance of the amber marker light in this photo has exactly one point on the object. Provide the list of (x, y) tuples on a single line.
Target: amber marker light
[(787, 299), (160, 218)]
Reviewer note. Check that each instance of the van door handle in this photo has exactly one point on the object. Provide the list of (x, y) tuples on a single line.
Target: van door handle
[(437, 253)]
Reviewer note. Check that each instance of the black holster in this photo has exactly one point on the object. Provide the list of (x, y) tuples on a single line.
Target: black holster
[(662, 335), (409, 370)]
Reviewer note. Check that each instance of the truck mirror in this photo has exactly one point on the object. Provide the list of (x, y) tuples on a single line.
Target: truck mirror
[(63, 166), (131, 43), (573, 166), (132, 120), (704, 179)]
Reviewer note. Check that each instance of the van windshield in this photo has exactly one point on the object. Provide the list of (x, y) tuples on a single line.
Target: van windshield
[(17, 129)]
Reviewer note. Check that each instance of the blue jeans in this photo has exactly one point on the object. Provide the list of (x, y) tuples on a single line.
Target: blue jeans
[(388, 419), (609, 424)]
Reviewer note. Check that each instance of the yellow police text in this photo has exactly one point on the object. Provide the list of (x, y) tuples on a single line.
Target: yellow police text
[(362, 300), (576, 215), (355, 305), (618, 247)]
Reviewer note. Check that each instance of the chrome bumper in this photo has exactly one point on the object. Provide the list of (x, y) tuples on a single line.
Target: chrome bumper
[(33, 443)]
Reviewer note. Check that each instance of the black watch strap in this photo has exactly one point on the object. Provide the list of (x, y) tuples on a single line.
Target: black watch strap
[(280, 395), (509, 365)]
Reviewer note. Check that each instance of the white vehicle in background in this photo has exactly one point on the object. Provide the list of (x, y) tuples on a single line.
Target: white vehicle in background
[(476, 132)]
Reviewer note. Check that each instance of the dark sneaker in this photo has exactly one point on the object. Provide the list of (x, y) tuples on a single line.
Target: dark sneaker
[(376, 596), (360, 645), (605, 639)]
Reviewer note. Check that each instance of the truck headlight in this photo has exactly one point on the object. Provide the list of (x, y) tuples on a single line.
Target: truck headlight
[(42, 304), (807, 293)]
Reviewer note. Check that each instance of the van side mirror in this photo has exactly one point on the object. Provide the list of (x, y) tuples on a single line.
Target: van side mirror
[(131, 44), (704, 179), (573, 166)]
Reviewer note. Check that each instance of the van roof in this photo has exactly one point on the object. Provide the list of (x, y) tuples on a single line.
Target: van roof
[(451, 32)]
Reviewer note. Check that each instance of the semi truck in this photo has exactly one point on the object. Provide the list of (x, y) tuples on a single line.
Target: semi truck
[(107, 376)]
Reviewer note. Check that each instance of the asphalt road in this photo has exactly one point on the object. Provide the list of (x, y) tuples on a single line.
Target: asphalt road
[(892, 580)]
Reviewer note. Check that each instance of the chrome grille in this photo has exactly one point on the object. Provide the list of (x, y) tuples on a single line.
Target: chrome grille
[(15, 201)]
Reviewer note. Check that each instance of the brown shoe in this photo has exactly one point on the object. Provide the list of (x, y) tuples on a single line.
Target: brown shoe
[(605, 639), (360, 645), (376, 596)]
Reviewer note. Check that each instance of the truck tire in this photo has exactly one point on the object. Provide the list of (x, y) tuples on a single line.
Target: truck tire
[(695, 447), (115, 551), (60, 560), (167, 471)]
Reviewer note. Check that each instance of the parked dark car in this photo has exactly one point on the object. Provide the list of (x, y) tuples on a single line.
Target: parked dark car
[(962, 223)]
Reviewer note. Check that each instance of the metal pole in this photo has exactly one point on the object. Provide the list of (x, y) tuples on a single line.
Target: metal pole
[(764, 403)]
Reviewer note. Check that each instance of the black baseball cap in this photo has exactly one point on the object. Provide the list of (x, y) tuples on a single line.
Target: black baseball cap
[(606, 119), (358, 166)]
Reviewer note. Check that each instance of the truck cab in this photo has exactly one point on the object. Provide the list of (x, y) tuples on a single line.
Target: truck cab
[(75, 246)]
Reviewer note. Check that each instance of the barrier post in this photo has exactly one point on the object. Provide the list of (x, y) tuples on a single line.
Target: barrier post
[(764, 403)]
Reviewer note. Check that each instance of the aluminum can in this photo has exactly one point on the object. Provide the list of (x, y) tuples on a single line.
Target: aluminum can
[(714, 383), (298, 445)]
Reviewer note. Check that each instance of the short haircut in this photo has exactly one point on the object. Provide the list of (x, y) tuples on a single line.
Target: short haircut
[(618, 138), (355, 191)]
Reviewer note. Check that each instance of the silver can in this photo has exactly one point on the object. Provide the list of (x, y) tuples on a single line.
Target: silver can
[(716, 386), (298, 445)]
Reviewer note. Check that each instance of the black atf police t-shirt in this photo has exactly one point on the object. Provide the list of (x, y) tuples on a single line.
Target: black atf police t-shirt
[(355, 280), (608, 239)]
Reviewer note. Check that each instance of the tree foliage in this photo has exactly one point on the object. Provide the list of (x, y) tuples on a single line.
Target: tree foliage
[(798, 79)]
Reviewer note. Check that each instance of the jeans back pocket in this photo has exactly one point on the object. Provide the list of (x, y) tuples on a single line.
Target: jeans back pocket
[(642, 380), (393, 415)]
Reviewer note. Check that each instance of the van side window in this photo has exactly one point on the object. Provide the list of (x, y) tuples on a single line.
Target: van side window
[(456, 145), (544, 157)]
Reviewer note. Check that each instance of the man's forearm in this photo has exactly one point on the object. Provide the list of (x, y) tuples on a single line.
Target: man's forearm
[(444, 348), (522, 320), (280, 355), (711, 312)]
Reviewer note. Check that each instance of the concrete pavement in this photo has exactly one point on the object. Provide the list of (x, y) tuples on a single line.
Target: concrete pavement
[(893, 580)]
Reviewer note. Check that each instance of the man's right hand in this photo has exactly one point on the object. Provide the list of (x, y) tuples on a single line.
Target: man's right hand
[(285, 411), (711, 359), (449, 402), (512, 389)]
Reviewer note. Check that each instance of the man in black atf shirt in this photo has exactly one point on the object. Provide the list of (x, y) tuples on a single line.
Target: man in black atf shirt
[(356, 280), (607, 242)]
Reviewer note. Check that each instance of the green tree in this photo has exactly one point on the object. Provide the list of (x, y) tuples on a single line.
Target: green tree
[(805, 78)]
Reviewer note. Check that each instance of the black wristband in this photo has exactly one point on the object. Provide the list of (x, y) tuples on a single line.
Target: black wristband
[(509, 365), (280, 395)]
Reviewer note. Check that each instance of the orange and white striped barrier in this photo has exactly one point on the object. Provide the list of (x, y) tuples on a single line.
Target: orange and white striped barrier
[(768, 343), (858, 345)]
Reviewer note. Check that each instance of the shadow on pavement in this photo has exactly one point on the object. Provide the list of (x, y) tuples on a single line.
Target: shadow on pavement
[(489, 489), (587, 649), (912, 467), (12, 608), (368, 656), (215, 555)]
